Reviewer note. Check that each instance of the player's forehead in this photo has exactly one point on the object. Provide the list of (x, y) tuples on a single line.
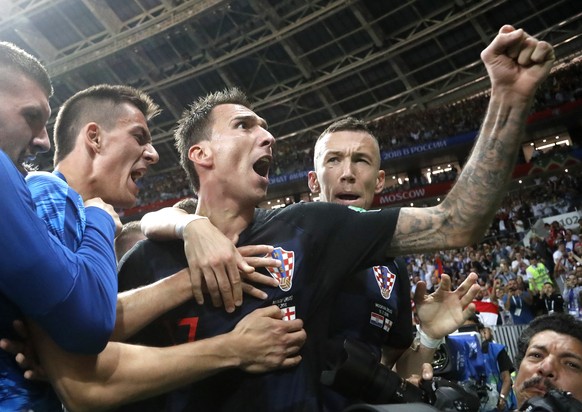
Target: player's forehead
[(349, 141), (229, 112)]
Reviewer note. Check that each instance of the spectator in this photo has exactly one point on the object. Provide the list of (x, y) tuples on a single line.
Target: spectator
[(519, 264), (548, 301), (572, 295), (561, 262), (541, 248), (504, 275), (518, 302), (537, 275), (486, 307)]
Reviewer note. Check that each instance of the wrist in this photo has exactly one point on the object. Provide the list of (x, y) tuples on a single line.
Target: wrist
[(229, 356), (185, 221), (427, 341), (506, 94)]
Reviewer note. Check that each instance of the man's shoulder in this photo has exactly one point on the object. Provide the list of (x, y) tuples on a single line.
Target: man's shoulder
[(149, 261), (156, 249), (49, 178), (321, 208), (46, 184)]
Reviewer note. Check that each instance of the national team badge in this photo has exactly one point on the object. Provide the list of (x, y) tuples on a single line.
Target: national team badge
[(284, 273), (288, 313), (385, 280), (387, 324), (376, 319)]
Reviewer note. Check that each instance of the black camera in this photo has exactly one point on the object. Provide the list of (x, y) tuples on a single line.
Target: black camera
[(552, 401), (359, 375)]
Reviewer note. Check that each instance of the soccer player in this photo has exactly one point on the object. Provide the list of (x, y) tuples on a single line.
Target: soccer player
[(226, 150)]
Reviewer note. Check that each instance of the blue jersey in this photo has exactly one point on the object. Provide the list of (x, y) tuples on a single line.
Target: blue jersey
[(71, 295), (319, 245), (59, 206)]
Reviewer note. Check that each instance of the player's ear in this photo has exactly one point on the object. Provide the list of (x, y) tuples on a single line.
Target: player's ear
[(92, 137), (380, 179), (201, 154), (312, 182)]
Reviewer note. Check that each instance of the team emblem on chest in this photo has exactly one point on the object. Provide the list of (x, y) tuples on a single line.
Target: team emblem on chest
[(385, 280), (284, 273)]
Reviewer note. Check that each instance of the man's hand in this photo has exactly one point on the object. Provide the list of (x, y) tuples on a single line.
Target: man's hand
[(252, 255), (97, 202), (517, 62), (427, 375), (443, 311), (265, 342), (24, 353), (212, 257)]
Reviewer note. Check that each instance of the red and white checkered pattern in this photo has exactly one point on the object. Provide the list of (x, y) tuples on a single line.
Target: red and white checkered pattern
[(385, 280)]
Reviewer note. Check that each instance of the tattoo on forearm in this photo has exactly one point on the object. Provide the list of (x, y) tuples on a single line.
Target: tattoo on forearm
[(466, 213)]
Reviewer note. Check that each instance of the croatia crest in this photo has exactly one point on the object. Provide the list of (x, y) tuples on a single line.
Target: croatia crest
[(385, 280), (284, 273)]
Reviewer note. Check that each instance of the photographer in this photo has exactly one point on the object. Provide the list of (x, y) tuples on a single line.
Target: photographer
[(492, 371), (549, 360), (501, 368), (518, 302), (548, 301)]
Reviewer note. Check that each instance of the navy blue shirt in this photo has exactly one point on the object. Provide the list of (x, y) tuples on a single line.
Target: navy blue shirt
[(373, 307), (320, 245)]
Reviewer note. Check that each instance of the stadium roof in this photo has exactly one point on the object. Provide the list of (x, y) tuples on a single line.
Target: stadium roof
[(305, 63)]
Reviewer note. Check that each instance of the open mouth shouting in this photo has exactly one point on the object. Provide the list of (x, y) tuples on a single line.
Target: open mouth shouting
[(261, 166), (136, 175)]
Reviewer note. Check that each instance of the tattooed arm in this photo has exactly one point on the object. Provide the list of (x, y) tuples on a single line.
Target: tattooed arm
[(517, 64)]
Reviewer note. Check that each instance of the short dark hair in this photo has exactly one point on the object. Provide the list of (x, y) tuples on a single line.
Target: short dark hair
[(562, 323), (347, 124), (122, 245), (193, 126), (188, 204), (99, 103), (16, 59)]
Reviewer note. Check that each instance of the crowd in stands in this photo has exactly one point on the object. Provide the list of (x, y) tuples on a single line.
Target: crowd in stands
[(405, 129), (157, 188), (520, 278)]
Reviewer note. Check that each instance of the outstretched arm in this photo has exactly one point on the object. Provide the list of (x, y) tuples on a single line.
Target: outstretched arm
[(124, 373), (444, 311), (517, 64), (440, 313)]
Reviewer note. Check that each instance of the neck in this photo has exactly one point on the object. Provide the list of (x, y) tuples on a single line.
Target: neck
[(225, 214), (78, 176)]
